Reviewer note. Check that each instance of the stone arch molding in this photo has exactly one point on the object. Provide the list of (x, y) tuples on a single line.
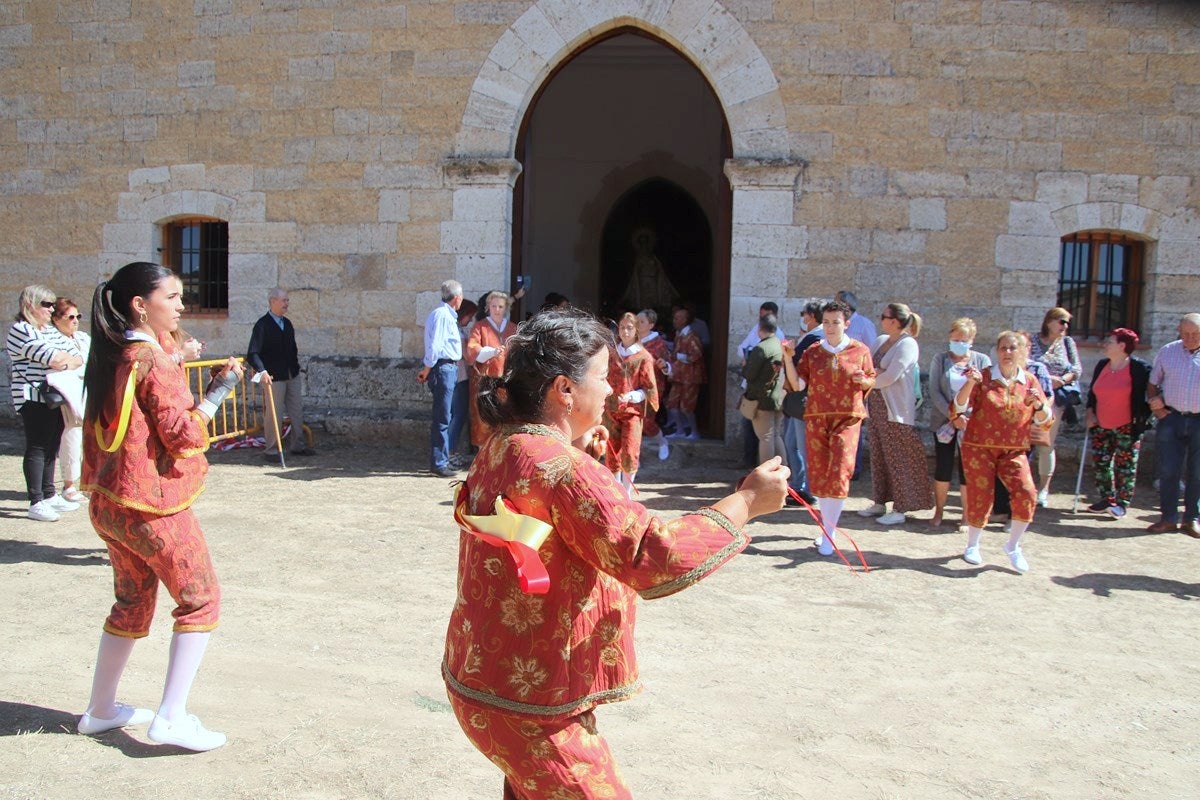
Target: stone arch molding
[(551, 30), (763, 175)]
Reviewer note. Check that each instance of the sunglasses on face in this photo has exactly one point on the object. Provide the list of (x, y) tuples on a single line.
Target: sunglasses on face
[(46, 304), (74, 316), (886, 316), (1063, 321)]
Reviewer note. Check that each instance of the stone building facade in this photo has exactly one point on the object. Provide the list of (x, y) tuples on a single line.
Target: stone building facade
[(360, 151)]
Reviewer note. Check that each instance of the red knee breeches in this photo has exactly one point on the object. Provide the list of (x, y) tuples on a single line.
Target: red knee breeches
[(145, 549), (982, 465), (831, 444)]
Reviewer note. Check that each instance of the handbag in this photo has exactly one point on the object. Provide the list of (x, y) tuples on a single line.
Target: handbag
[(794, 404), (52, 397), (1039, 435), (748, 407)]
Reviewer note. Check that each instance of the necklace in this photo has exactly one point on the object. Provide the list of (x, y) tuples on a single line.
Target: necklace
[(1112, 368)]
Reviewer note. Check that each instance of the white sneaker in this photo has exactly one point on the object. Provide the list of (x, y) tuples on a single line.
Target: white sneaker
[(664, 451), (42, 511), (892, 518), (873, 511), (1018, 559), (824, 545), (126, 715), (60, 503), (1043, 497), (972, 555), (187, 733)]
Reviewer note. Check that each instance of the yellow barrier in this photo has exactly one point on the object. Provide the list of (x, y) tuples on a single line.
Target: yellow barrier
[(236, 416)]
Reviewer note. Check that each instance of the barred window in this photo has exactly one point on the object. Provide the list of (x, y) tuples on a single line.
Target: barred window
[(197, 250), (1100, 282)]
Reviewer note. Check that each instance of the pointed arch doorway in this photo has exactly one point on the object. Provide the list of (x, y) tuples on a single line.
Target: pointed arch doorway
[(622, 152)]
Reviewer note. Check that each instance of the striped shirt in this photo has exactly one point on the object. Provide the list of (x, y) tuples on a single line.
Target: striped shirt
[(30, 350), (1176, 373)]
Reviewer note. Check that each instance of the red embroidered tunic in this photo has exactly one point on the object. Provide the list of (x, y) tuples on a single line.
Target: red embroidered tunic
[(484, 335), (160, 466), (564, 652), (626, 375), (657, 348), (1000, 418), (831, 391), (688, 344)]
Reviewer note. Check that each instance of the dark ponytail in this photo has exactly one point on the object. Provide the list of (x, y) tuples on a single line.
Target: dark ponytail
[(549, 344), (111, 315)]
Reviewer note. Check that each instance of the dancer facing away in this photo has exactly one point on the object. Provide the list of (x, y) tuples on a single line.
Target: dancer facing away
[(1004, 401), (524, 671), (838, 374), (634, 397), (144, 465)]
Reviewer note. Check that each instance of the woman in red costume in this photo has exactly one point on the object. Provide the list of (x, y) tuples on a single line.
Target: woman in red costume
[(838, 373), (552, 558), (1005, 400), (634, 397), (485, 355), (143, 462)]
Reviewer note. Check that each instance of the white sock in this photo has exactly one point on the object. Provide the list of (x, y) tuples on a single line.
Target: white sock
[(111, 659), (187, 650), (973, 536), (1014, 537), (690, 421), (831, 512), (629, 483)]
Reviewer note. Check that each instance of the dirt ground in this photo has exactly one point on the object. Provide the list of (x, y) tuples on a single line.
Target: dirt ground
[(784, 675)]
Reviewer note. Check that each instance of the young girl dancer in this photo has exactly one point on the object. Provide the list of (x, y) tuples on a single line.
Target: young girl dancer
[(634, 396), (143, 463)]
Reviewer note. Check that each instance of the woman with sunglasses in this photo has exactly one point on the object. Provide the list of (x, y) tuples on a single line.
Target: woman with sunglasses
[(32, 349), (1054, 348), (66, 319)]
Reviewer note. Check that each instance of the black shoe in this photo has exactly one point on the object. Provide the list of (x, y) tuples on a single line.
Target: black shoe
[(271, 458), (308, 451), (808, 496), (1099, 506), (443, 472)]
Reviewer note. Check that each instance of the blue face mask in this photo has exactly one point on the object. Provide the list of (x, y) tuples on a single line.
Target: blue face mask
[(960, 348)]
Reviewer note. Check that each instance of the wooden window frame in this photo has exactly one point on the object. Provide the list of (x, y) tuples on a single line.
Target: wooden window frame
[(1087, 266), (206, 286)]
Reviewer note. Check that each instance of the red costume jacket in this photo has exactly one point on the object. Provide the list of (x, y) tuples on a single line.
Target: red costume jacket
[(159, 467), (688, 344), (484, 335), (625, 375), (831, 391), (657, 348), (566, 651), (1000, 418)]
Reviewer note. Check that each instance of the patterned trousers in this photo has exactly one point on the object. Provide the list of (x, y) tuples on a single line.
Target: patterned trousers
[(684, 397), (562, 759), (1115, 454), (145, 549), (831, 444), (983, 465), (625, 443)]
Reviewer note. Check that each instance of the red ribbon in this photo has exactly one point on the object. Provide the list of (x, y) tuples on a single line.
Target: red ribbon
[(531, 572), (816, 515)]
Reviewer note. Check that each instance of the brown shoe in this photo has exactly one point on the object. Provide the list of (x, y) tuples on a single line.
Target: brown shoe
[(1163, 527), (1192, 528)]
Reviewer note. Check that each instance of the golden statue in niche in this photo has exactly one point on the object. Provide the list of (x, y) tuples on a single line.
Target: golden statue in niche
[(649, 286)]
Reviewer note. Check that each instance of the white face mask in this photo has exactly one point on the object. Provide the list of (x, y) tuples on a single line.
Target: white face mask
[(960, 348)]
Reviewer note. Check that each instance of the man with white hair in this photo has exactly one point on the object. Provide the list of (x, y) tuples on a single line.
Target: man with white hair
[(1174, 395), (443, 350), (273, 353)]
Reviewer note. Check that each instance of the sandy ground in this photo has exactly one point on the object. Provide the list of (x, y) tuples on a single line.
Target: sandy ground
[(785, 675)]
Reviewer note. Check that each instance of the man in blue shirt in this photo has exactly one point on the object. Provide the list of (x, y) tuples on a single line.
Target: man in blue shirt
[(443, 349)]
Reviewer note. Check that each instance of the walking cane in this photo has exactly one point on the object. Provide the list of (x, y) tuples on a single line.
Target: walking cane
[(1079, 480), (275, 423)]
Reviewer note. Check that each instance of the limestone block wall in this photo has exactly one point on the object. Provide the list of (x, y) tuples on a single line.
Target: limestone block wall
[(932, 151)]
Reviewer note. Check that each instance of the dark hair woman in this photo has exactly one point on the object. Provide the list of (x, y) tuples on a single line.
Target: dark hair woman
[(1117, 416), (524, 665), (35, 349), (143, 462)]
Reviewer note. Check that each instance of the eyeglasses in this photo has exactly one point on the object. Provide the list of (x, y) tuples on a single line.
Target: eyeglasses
[(1063, 321), (46, 304), (74, 316), (886, 316)]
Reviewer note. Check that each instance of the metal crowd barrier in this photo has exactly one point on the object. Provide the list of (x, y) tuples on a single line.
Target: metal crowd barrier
[(238, 415)]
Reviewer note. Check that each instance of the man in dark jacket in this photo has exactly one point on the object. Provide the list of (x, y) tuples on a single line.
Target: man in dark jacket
[(273, 353)]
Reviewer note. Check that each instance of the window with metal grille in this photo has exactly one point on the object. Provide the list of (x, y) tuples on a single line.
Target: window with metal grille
[(1100, 282), (197, 250)]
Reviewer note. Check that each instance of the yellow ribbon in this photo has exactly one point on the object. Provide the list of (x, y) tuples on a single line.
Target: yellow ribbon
[(122, 419), (510, 526)]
